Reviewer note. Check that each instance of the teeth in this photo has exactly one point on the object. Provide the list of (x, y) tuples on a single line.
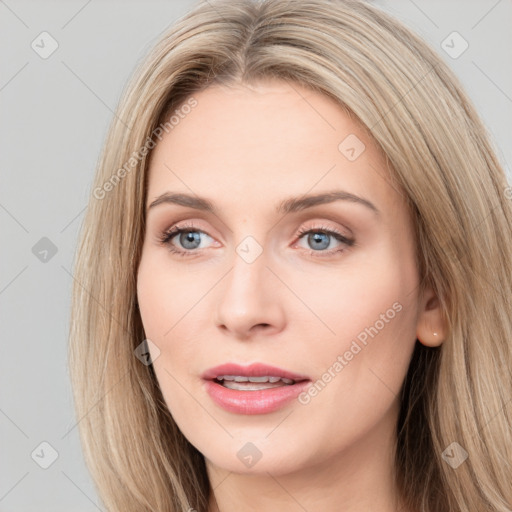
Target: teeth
[(260, 379), (241, 378), (230, 380)]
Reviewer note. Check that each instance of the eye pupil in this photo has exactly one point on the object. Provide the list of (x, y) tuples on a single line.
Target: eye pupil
[(190, 236), (317, 238)]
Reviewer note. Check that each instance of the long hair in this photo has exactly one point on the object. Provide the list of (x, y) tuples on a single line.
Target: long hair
[(440, 156)]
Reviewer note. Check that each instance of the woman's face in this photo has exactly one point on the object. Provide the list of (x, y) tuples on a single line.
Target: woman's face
[(322, 290)]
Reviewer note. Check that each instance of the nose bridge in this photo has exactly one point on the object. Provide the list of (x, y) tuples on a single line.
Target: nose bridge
[(249, 268), (248, 296)]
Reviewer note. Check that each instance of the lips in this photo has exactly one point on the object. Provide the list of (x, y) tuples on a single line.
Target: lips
[(254, 389)]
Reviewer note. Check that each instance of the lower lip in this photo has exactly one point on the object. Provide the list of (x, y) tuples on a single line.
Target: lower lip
[(254, 402)]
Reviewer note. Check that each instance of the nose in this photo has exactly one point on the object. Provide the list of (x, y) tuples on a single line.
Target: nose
[(250, 299)]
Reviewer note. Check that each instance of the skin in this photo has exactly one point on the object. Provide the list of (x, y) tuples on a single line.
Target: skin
[(246, 148)]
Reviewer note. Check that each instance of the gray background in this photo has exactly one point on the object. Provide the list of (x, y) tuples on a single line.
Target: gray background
[(54, 117)]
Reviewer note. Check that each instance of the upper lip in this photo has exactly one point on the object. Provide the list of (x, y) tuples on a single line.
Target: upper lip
[(252, 370)]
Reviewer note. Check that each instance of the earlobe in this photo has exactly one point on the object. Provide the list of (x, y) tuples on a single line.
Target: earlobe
[(431, 326), (430, 340)]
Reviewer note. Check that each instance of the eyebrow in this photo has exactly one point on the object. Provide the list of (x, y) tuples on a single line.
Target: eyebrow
[(290, 205)]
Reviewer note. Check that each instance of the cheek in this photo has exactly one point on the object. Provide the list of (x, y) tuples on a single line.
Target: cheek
[(152, 302), (156, 298), (348, 300), (161, 302), (166, 296), (170, 305), (371, 311)]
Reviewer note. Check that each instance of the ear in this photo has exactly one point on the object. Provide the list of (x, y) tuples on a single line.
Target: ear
[(431, 326)]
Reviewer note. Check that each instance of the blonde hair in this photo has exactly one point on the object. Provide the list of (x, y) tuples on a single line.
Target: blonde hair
[(440, 155)]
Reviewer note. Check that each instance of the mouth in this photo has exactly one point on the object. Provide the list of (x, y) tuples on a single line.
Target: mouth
[(254, 389)]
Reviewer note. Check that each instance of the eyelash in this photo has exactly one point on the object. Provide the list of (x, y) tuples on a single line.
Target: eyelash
[(166, 237)]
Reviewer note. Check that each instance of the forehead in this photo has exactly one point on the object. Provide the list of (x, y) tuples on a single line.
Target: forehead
[(255, 144)]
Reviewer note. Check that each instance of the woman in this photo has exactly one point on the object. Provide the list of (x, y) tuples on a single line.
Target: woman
[(293, 280)]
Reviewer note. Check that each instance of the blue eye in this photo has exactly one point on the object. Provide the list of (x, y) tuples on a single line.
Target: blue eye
[(190, 239), (319, 240)]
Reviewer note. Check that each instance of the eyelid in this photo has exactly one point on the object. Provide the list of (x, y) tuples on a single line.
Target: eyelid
[(326, 224)]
